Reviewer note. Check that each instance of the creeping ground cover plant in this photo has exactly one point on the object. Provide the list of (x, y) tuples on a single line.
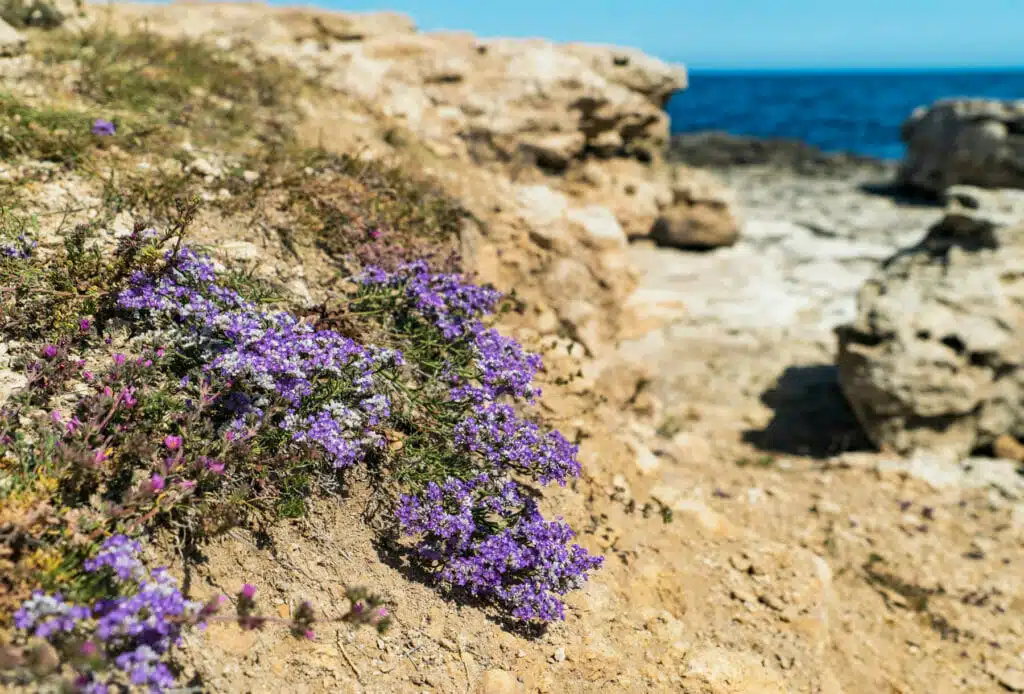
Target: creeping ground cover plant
[(165, 393)]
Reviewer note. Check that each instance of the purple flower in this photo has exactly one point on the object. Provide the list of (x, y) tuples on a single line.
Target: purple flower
[(248, 591), (172, 442), (50, 351), (103, 127), (21, 249), (516, 558), (272, 353), (120, 554), (157, 483), (84, 325)]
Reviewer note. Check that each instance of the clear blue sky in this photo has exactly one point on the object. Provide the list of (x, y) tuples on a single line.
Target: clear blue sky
[(750, 33)]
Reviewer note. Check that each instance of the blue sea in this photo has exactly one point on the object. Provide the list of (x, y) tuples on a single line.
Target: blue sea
[(858, 112)]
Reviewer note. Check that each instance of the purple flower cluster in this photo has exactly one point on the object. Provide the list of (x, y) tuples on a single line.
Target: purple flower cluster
[(505, 441), (121, 555), (445, 300), (484, 535), (47, 615), (20, 249), (134, 631), (275, 353), (103, 127), (491, 540)]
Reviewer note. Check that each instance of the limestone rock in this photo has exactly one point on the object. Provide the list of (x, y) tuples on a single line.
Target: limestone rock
[(1008, 447), (599, 226), (973, 141), (694, 228), (634, 70), (933, 359), (702, 214), (12, 43), (515, 100)]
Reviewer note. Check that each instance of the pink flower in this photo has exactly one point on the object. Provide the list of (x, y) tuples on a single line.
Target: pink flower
[(108, 392), (87, 375), (73, 424), (382, 613), (101, 456), (119, 359), (187, 484), (248, 591), (50, 351), (172, 442), (56, 417), (215, 466), (128, 397), (310, 634), (157, 483), (375, 234), (160, 353), (88, 649)]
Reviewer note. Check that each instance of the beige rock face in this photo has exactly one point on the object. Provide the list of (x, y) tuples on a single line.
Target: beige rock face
[(970, 141), (933, 359), (501, 99)]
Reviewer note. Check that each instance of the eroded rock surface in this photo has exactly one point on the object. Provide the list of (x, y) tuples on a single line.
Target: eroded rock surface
[(965, 141), (486, 99), (933, 359)]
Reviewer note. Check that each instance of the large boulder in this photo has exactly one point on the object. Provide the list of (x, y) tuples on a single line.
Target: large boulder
[(935, 357), (965, 141)]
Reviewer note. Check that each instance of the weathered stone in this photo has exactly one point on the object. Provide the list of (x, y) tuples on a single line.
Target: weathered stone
[(973, 141), (695, 227), (1006, 446), (599, 227), (529, 99), (702, 215), (933, 359)]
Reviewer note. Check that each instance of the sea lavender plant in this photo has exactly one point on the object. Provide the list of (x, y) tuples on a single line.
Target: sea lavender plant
[(127, 639), (132, 632), (478, 531), (487, 537), (328, 381)]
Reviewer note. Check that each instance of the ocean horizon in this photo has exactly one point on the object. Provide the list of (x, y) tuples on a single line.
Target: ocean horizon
[(856, 110)]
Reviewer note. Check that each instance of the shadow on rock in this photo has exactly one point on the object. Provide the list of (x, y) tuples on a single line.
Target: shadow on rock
[(811, 416)]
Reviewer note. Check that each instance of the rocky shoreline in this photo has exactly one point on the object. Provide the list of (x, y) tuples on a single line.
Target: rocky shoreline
[(719, 150), (687, 302)]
